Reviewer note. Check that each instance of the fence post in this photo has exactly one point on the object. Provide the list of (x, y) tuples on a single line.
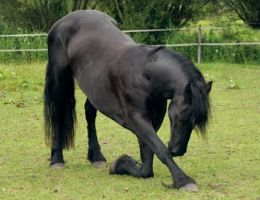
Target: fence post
[(199, 45)]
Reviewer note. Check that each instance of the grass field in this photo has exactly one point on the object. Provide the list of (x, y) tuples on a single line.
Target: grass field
[(226, 165)]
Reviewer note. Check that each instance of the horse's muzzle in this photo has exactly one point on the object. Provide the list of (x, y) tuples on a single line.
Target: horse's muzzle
[(178, 152)]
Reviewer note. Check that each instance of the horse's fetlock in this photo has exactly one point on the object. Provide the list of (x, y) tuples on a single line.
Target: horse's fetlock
[(147, 174), (95, 155)]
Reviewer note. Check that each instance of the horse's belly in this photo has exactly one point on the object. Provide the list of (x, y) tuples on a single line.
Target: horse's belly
[(98, 91)]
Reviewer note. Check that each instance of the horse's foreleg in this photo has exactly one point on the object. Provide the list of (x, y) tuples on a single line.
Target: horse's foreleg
[(127, 165), (94, 152), (145, 132), (146, 155)]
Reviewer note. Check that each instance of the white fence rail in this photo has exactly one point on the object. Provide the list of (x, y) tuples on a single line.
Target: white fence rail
[(24, 35), (199, 42)]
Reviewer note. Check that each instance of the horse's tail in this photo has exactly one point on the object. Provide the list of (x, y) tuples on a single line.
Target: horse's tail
[(59, 100)]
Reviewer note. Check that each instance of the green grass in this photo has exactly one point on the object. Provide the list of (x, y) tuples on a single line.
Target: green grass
[(226, 165)]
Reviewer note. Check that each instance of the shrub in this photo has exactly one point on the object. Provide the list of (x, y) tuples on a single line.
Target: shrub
[(232, 54)]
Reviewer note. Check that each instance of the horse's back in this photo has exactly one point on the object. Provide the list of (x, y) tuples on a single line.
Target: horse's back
[(88, 28), (81, 19)]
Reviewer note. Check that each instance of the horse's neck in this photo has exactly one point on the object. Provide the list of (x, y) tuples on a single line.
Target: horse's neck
[(169, 81)]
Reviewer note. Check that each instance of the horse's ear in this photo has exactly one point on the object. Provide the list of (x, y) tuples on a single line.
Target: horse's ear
[(208, 87), (187, 93), (155, 49), (152, 57)]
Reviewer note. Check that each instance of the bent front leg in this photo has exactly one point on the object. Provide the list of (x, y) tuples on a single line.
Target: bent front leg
[(146, 155), (144, 130), (94, 150), (127, 165)]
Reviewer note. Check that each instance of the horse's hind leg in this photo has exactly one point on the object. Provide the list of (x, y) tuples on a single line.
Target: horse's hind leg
[(94, 152)]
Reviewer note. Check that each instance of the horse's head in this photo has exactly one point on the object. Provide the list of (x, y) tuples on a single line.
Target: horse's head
[(187, 110)]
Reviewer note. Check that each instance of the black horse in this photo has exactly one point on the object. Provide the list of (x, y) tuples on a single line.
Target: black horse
[(128, 82)]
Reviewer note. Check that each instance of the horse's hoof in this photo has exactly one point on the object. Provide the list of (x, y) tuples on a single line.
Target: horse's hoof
[(57, 165), (112, 167), (190, 187), (98, 164)]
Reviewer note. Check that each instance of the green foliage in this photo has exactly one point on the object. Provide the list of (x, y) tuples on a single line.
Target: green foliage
[(38, 16), (232, 54), (42, 14), (23, 43), (32, 15), (133, 14), (9, 14), (183, 37), (246, 10)]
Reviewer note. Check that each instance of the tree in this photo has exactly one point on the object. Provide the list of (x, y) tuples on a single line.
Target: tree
[(247, 10), (42, 14), (154, 13), (149, 14), (181, 12), (8, 13), (130, 14)]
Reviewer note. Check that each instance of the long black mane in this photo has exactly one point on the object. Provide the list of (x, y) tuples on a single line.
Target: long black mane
[(199, 95)]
